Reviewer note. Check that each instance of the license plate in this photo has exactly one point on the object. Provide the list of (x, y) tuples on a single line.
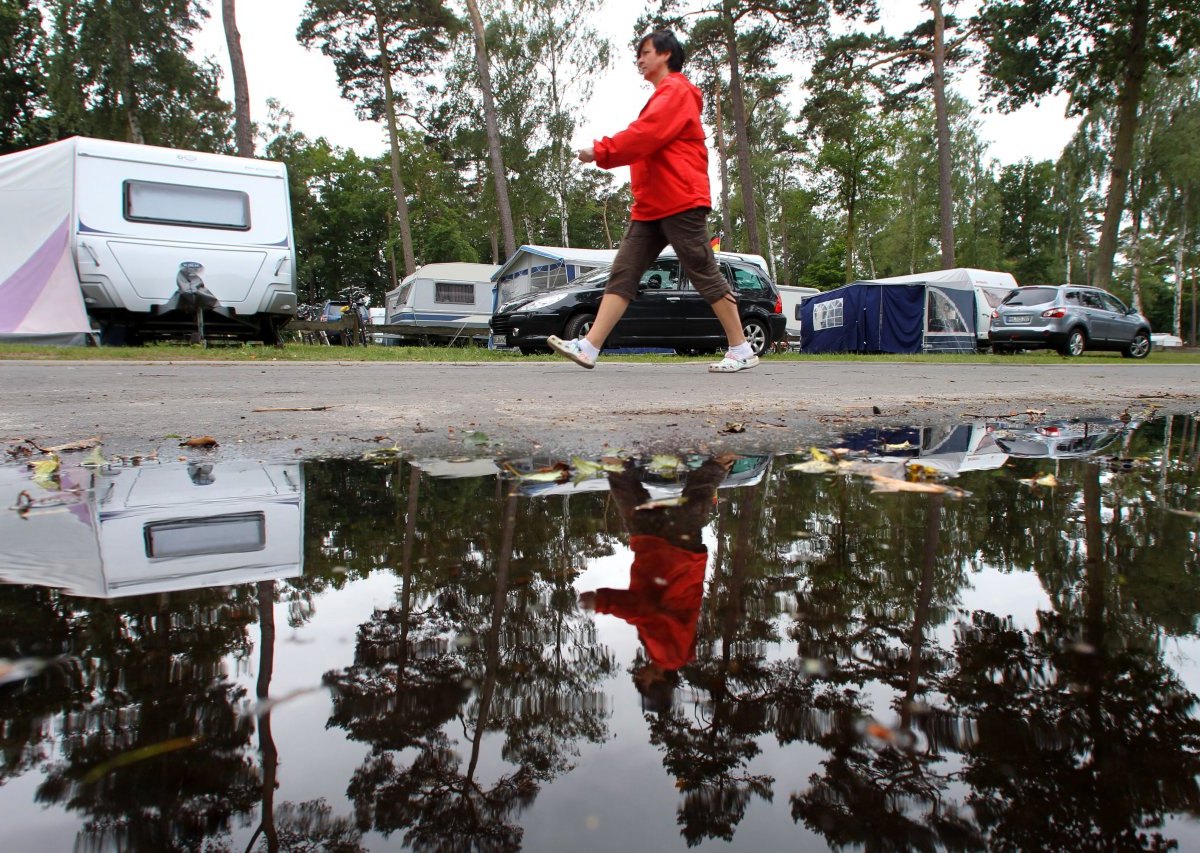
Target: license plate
[(500, 340), (1018, 319)]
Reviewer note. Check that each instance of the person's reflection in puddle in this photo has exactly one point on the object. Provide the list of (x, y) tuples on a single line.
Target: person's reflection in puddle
[(666, 580)]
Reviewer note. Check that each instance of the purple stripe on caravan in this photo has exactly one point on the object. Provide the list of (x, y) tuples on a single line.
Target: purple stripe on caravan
[(21, 290)]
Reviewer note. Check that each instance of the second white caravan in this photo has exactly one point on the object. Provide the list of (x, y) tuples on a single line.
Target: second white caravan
[(443, 301)]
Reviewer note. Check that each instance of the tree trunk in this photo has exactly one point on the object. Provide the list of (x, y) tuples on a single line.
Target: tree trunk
[(745, 176), (851, 227), (493, 131), (945, 188), (266, 743), (389, 102), (1122, 157), (1135, 255), (723, 155), (1180, 242), (243, 131)]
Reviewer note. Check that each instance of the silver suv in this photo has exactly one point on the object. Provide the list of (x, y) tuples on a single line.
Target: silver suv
[(1070, 318)]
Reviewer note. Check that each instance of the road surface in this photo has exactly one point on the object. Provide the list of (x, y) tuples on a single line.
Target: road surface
[(273, 410)]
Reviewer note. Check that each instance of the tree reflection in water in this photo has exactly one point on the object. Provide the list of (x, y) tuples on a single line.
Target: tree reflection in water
[(838, 674)]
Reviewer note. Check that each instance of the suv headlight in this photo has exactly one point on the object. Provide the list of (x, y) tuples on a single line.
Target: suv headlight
[(544, 301)]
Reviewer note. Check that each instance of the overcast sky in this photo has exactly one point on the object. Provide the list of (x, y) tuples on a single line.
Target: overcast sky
[(305, 83)]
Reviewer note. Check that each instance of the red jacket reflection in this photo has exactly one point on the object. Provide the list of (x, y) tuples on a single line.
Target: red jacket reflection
[(666, 587)]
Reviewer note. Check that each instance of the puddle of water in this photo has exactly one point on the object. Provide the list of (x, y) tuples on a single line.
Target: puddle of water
[(974, 636)]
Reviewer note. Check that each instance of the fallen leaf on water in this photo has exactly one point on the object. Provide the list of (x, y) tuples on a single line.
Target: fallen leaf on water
[(664, 463), (384, 454), (199, 441), (813, 466), (476, 438), (555, 474), (44, 468), (885, 735), (904, 445), (105, 767), (915, 472), (587, 468), (818, 454), (663, 503), (734, 426), (891, 484), (1047, 480), (94, 459)]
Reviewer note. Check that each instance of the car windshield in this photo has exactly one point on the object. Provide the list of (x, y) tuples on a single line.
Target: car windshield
[(1031, 296)]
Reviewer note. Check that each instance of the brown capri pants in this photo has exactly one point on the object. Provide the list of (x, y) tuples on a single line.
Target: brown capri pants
[(687, 232)]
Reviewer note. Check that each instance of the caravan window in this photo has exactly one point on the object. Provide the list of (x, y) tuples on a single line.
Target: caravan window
[(458, 294), (175, 204)]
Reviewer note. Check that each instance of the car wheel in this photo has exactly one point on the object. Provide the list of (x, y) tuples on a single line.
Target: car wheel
[(532, 350), (757, 335), (1075, 345), (1139, 347), (578, 326)]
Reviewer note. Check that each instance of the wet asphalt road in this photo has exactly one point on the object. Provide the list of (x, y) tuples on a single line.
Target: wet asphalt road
[(515, 409)]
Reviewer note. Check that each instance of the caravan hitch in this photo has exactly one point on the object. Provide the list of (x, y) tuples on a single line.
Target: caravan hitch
[(194, 296)]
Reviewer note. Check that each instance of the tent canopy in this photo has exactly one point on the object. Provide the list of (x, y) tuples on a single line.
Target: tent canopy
[(40, 298), (536, 268), (874, 317)]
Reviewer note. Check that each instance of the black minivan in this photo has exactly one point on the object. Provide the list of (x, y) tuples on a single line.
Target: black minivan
[(667, 313)]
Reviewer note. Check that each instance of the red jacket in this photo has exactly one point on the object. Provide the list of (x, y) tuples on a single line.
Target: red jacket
[(665, 151), (666, 586)]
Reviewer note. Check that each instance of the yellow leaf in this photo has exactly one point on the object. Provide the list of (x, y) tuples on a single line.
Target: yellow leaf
[(94, 459), (818, 455), (904, 445), (45, 467), (663, 463), (587, 468), (813, 466)]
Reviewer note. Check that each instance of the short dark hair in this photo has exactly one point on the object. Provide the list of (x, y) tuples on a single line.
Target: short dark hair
[(664, 41)]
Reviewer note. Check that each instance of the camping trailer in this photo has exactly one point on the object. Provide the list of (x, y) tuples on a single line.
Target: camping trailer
[(990, 289), (444, 300), (158, 241)]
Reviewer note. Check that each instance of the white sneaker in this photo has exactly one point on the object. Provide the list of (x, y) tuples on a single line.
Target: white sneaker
[(571, 350), (730, 364)]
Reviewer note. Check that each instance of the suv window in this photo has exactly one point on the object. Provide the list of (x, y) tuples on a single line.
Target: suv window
[(662, 275), (748, 282), (1031, 296), (1091, 299), (1112, 303)]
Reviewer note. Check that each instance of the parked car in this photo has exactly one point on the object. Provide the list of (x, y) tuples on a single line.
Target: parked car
[(667, 313), (1070, 318)]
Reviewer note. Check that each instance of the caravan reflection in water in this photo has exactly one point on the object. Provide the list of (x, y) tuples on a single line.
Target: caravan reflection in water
[(158, 528)]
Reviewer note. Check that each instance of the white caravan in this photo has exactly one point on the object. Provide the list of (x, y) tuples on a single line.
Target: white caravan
[(443, 301), (990, 288), (161, 241)]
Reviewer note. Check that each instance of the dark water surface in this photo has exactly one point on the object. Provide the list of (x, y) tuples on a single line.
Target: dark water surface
[(791, 651)]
